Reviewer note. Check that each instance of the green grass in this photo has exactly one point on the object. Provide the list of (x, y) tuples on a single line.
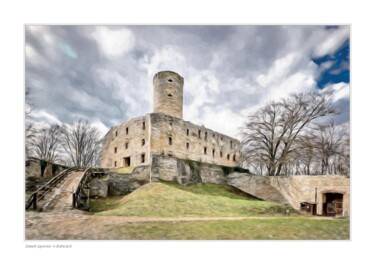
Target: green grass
[(174, 200), (123, 170), (286, 228)]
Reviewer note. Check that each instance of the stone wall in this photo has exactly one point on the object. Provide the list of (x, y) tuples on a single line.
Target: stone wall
[(185, 171), (38, 172), (294, 189), (130, 139), (178, 138)]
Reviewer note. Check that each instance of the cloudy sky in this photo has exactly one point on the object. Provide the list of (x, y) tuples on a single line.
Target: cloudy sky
[(104, 73)]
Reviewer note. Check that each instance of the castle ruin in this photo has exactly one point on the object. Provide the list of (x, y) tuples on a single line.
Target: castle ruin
[(165, 133)]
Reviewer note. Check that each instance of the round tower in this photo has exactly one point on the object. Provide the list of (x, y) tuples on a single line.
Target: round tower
[(168, 93)]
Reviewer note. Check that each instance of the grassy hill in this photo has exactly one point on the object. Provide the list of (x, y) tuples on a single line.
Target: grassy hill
[(174, 200)]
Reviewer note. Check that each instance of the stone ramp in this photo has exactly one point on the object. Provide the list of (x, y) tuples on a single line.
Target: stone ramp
[(258, 186), (60, 198)]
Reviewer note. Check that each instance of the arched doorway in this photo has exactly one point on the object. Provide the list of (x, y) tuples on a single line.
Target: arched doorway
[(333, 203)]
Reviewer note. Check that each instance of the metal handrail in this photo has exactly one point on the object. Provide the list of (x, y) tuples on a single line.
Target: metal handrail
[(43, 190), (78, 192)]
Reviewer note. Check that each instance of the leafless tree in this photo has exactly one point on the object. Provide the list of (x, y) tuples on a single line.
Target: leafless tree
[(330, 148), (30, 134), (46, 143), (271, 132), (30, 130), (81, 143)]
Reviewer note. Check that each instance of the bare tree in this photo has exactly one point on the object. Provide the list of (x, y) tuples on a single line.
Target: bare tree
[(46, 143), (30, 134), (271, 132), (81, 143), (330, 149), (30, 130)]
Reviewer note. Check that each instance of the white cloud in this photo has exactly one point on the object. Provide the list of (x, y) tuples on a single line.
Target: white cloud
[(101, 127), (114, 42), (42, 115), (340, 91), (333, 41), (166, 58)]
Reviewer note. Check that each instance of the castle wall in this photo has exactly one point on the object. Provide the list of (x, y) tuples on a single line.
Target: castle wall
[(175, 137), (131, 133)]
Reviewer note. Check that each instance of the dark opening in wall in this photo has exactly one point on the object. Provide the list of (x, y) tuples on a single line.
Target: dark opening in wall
[(213, 152), (199, 134), (187, 132), (187, 145), (205, 136), (228, 157), (170, 140), (234, 157), (115, 163), (143, 125), (142, 158), (143, 141), (116, 133), (205, 150), (169, 95), (126, 145), (170, 80), (126, 161), (231, 144), (221, 153), (127, 130), (115, 150)]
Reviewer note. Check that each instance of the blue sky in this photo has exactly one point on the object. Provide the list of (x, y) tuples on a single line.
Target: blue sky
[(104, 73)]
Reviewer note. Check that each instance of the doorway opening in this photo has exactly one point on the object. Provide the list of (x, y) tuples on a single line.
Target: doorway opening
[(333, 203), (127, 161)]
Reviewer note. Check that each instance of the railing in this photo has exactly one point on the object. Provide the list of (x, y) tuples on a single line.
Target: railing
[(39, 194), (81, 196)]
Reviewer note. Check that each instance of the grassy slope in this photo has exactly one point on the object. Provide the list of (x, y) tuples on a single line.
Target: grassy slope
[(174, 200)]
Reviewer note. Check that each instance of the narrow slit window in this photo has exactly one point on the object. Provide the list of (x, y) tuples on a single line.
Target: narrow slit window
[(115, 150), (143, 142), (126, 145), (205, 136), (187, 145), (187, 132), (231, 144), (116, 133), (170, 140), (127, 130), (213, 152), (142, 158), (199, 134), (143, 125), (221, 153), (115, 163), (228, 157), (234, 157), (205, 150)]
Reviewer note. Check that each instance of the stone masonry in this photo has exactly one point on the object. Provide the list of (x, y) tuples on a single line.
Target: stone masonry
[(164, 132)]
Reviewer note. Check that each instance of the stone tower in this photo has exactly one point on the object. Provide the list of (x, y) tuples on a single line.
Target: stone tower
[(168, 93)]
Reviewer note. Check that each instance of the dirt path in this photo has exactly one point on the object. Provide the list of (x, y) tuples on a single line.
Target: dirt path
[(79, 225)]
